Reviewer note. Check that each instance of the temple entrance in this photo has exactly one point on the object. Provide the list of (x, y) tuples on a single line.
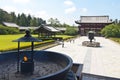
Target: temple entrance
[(92, 23)]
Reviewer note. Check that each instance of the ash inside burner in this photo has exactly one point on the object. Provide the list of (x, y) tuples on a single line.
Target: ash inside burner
[(8, 70)]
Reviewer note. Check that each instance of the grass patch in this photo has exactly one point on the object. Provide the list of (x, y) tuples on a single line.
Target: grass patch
[(65, 36), (6, 43), (115, 39)]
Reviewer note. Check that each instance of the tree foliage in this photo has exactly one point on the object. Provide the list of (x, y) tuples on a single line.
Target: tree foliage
[(28, 20), (20, 19), (54, 22), (71, 31), (112, 30), (8, 30)]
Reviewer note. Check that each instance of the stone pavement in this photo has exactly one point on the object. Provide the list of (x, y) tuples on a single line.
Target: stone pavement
[(101, 61)]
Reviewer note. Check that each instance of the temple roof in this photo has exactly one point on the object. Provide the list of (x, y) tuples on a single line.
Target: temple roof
[(10, 24), (51, 28), (94, 19), (26, 28), (47, 28)]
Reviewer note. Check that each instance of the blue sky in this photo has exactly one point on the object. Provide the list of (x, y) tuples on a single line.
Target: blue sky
[(64, 10)]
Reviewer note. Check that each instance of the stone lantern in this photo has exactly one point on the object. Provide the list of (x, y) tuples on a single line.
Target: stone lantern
[(27, 64)]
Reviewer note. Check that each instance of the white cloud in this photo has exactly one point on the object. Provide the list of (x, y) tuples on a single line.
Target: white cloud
[(65, 19), (71, 7), (27, 11), (70, 10), (84, 10), (10, 9), (42, 14), (17, 11), (21, 1), (68, 3)]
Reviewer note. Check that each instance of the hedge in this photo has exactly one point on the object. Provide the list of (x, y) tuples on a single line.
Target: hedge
[(8, 30)]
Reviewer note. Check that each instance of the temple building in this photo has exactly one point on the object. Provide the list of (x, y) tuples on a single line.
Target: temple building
[(46, 31), (92, 23)]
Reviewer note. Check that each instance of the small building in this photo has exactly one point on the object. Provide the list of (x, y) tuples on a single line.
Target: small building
[(9, 24), (46, 31), (21, 28), (92, 23), (62, 29)]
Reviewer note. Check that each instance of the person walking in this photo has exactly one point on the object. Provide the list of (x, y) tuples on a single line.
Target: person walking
[(62, 43)]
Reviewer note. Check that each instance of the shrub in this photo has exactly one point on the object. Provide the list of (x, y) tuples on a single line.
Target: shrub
[(112, 30), (8, 30), (71, 31)]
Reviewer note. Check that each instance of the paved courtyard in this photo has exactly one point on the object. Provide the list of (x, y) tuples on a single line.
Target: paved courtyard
[(103, 61)]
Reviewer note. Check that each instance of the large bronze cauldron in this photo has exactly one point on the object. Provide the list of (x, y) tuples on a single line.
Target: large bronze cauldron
[(58, 65), (91, 35)]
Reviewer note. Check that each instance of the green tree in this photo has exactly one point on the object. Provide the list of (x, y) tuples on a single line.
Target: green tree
[(18, 20), (28, 19), (1, 16), (8, 30), (13, 17), (112, 30), (40, 21), (33, 22), (57, 22), (23, 20), (4, 16), (71, 31), (54, 22), (66, 25), (116, 21), (51, 20)]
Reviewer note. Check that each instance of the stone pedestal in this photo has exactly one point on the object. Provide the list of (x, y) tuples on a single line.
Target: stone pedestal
[(90, 44)]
